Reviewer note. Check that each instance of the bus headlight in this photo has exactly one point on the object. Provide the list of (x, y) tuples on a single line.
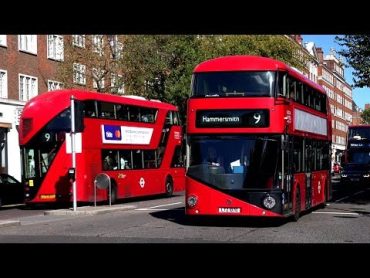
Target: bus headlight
[(344, 175), (269, 202), (192, 201), (366, 175)]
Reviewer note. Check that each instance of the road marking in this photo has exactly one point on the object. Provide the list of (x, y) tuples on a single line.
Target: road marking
[(334, 212), (346, 197), (157, 207)]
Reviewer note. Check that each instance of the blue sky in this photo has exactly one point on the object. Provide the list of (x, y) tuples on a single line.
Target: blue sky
[(360, 95)]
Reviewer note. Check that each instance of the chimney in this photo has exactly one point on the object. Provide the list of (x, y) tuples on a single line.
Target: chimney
[(297, 38), (320, 54)]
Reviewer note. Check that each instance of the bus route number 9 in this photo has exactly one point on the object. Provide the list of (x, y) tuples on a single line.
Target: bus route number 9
[(257, 118), (46, 137)]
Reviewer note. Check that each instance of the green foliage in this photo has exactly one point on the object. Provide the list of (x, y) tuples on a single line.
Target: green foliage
[(100, 56), (160, 66), (366, 116), (357, 53)]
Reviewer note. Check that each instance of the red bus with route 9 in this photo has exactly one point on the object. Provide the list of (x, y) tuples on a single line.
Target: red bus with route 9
[(137, 142)]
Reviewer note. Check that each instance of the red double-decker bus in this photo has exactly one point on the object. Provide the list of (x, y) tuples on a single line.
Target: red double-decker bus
[(258, 140), (136, 142)]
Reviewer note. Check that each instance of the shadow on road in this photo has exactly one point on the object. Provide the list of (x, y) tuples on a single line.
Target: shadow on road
[(178, 216), (353, 193)]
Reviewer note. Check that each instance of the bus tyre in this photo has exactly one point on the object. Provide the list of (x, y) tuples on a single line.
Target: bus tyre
[(297, 209), (169, 186)]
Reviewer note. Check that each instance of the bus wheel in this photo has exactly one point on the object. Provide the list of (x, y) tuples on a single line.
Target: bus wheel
[(297, 209), (169, 186)]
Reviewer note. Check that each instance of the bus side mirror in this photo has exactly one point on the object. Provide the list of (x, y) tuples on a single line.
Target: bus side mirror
[(72, 174)]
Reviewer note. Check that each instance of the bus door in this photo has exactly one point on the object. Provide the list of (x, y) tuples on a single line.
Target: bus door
[(288, 170), (308, 190), (308, 164)]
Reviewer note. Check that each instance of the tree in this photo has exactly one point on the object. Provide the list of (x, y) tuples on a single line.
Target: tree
[(357, 53), (273, 46), (92, 62), (160, 66), (366, 116)]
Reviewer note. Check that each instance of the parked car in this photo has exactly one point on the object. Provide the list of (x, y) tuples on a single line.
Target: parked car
[(11, 190)]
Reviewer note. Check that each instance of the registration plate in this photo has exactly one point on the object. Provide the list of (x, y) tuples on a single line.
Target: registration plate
[(229, 210)]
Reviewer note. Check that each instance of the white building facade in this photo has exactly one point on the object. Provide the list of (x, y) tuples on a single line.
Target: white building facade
[(10, 159)]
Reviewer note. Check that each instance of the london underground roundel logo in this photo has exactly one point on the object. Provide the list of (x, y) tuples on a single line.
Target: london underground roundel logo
[(142, 182), (117, 133)]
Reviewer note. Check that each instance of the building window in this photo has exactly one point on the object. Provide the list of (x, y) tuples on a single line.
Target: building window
[(339, 99), (338, 69), (339, 112), (3, 84), (27, 87), (79, 74), (115, 46), (327, 76), (347, 91), (117, 85), (3, 40), (98, 78), (28, 43), (55, 47), (54, 85), (329, 92), (97, 44), (78, 40)]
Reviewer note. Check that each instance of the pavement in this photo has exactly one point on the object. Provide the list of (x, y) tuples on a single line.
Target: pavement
[(7, 223), (89, 210), (85, 210)]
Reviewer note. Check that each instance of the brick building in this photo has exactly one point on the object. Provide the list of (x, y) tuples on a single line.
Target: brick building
[(356, 114), (28, 67), (329, 73), (331, 77)]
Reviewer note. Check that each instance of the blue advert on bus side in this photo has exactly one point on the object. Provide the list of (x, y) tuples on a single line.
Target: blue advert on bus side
[(112, 133)]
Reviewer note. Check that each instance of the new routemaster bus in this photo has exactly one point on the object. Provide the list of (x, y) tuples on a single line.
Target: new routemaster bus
[(136, 142), (258, 140)]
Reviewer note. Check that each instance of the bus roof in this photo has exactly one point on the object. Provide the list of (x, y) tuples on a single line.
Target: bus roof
[(60, 97), (251, 63)]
